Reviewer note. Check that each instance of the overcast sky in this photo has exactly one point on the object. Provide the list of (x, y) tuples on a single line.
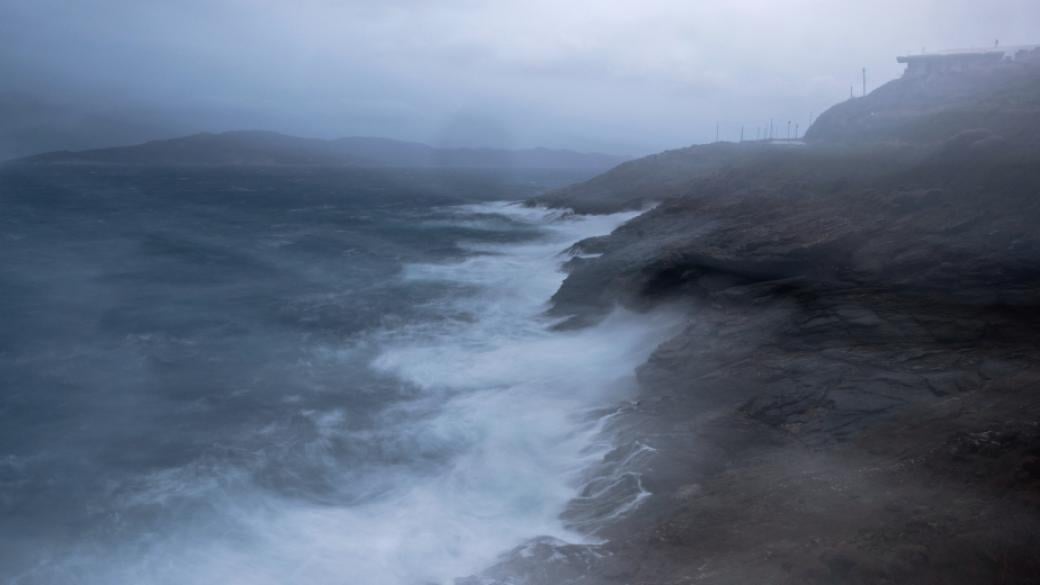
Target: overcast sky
[(628, 76)]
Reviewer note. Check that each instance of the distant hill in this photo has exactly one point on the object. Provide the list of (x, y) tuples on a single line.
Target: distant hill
[(258, 148)]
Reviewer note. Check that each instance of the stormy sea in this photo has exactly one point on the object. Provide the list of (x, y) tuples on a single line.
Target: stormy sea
[(296, 376)]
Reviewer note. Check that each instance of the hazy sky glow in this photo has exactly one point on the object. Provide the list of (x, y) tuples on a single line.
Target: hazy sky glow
[(617, 75)]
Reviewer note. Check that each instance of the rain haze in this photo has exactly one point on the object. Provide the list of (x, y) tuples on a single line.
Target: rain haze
[(614, 76), (541, 292)]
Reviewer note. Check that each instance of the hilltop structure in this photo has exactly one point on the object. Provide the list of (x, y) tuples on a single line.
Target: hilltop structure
[(941, 95), (961, 60)]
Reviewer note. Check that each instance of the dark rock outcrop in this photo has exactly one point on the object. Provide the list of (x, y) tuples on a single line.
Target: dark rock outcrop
[(855, 397)]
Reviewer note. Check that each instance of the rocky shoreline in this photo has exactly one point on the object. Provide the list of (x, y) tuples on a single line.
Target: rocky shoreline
[(855, 397)]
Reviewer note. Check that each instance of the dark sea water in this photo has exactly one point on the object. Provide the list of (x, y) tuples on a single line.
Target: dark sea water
[(290, 376)]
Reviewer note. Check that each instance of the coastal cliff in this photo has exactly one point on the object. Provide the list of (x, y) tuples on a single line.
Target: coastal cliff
[(855, 395)]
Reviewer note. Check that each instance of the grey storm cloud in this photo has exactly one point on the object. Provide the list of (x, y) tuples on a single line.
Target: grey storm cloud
[(620, 75)]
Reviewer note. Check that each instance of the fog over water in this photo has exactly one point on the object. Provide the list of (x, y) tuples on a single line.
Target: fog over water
[(614, 75)]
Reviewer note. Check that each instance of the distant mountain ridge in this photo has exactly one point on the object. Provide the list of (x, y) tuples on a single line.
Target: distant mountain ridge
[(262, 148)]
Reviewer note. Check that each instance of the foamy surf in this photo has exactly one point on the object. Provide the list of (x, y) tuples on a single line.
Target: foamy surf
[(503, 432), (523, 402)]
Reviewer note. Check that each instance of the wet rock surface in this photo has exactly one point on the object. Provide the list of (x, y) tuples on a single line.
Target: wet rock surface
[(855, 396), (833, 437)]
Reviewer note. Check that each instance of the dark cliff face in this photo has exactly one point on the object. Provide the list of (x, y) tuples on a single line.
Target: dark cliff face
[(855, 394), (942, 228)]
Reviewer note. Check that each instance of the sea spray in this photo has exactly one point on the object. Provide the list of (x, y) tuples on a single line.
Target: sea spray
[(523, 402), (493, 424)]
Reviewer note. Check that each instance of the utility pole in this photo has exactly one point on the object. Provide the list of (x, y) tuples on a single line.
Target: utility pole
[(864, 82), (716, 131), (852, 93), (742, 134)]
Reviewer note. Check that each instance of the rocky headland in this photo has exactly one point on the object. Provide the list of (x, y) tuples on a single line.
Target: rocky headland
[(855, 395)]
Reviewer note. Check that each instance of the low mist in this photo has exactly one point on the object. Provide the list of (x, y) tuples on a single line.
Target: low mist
[(618, 77)]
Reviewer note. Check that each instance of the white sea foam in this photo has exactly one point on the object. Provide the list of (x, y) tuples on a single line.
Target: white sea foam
[(508, 404)]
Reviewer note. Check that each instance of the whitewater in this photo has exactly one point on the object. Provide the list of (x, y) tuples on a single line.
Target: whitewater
[(503, 427)]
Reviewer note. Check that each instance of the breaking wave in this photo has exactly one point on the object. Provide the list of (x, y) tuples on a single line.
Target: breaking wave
[(503, 429)]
